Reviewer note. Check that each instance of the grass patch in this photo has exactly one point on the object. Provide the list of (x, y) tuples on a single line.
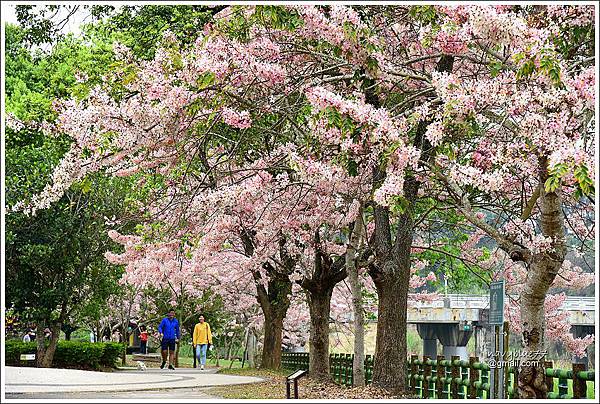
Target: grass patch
[(266, 373), (272, 388)]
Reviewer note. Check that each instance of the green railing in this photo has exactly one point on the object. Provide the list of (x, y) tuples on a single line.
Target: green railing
[(442, 378)]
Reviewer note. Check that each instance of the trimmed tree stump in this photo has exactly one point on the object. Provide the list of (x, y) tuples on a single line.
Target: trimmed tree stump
[(579, 385), (441, 375), (426, 373), (549, 379), (473, 377)]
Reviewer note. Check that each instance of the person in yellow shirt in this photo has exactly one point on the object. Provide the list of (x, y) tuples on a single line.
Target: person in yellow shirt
[(202, 340)]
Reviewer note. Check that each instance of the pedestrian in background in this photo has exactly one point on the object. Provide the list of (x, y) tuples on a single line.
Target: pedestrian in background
[(143, 340), (169, 334), (202, 340)]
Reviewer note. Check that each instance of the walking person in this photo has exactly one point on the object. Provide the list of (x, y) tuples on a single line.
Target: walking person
[(169, 334), (202, 340), (143, 340)]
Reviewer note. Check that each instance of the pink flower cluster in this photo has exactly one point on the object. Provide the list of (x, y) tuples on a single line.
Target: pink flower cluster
[(237, 119)]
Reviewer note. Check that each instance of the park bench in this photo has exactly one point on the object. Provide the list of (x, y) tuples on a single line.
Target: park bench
[(147, 357)]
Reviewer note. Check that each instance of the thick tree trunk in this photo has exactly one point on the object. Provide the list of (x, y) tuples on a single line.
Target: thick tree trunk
[(45, 354), (271, 355), (319, 287), (358, 368), (319, 307), (391, 269), (274, 300), (543, 268), (274, 304), (391, 275), (389, 369)]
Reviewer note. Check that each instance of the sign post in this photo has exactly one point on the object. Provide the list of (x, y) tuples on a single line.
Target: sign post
[(496, 318)]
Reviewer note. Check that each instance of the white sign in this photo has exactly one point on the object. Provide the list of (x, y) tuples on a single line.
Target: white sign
[(296, 374), (28, 357)]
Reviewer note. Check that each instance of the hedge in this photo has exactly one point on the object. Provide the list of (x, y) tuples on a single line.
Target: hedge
[(69, 354)]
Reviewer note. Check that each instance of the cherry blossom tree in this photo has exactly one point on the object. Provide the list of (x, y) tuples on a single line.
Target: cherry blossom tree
[(530, 150), (487, 107)]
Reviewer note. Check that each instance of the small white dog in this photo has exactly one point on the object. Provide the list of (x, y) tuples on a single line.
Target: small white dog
[(141, 365)]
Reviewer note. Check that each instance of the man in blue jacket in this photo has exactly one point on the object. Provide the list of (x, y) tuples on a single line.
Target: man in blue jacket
[(169, 334)]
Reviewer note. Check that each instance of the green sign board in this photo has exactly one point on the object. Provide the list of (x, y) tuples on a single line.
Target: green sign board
[(497, 303)]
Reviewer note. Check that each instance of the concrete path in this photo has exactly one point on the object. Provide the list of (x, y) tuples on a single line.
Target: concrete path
[(169, 394), (37, 382)]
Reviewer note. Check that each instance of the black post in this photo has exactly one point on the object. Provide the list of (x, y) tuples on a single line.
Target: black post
[(296, 388), (287, 389)]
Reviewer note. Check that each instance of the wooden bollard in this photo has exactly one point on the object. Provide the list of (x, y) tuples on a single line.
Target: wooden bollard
[(426, 372), (549, 379), (441, 374), (579, 385), (455, 375), (473, 377), (413, 372)]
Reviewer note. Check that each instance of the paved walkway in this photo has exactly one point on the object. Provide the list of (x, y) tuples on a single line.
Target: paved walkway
[(170, 394), (25, 382)]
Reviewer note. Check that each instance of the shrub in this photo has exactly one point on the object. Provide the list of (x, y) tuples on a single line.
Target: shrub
[(13, 350), (78, 354), (69, 354), (112, 352)]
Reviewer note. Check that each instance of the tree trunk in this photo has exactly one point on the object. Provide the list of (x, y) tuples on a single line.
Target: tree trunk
[(274, 300), (274, 303), (319, 286), (391, 270), (68, 335), (543, 268), (273, 329), (389, 368), (45, 354), (125, 343), (176, 356), (391, 275), (229, 348), (319, 307), (245, 344), (251, 348), (358, 368)]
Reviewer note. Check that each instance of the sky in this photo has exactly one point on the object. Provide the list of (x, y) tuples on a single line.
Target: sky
[(8, 15), (74, 23)]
